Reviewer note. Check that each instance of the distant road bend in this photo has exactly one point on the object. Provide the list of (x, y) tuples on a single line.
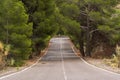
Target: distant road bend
[(61, 63)]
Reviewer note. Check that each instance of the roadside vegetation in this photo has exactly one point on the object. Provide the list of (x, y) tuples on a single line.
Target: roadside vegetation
[(25, 29), (114, 62), (26, 26), (93, 26)]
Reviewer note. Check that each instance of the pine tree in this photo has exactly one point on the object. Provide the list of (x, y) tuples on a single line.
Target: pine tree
[(15, 29), (44, 25), (92, 14)]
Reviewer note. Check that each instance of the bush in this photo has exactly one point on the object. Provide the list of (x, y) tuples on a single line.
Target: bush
[(15, 62), (115, 61), (18, 62), (2, 60), (11, 62), (6, 50), (118, 54)]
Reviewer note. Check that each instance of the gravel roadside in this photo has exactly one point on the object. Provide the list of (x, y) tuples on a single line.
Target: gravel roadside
[(97, 62), (101, 63), (28, 63), (10, 70)]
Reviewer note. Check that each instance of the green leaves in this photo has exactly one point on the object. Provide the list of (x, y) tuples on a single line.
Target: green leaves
[(20, 40), (15, 28), (69, 10), (42, 14), (105, 28), (95, 16), (47, 17)]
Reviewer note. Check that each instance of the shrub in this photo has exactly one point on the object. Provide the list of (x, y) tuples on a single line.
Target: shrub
[(18, 62), (115, 61), (118, 54)]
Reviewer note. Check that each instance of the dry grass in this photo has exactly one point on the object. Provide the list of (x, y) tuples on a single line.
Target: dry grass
[(115, 61), (118, 6), (1, 51), (1, 47)]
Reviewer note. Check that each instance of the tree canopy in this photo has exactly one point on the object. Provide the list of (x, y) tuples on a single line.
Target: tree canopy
[(27, 25)]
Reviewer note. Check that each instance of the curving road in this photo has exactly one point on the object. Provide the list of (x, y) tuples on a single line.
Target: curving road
[(61, 63)]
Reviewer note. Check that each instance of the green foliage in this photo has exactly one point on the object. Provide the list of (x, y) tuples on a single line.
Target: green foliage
[(95, 16), (18, 62), (105, 28), (73, 28), (69, 10), (42, 14), (111, 27), (15, 29), (27, 25), (66, 17)]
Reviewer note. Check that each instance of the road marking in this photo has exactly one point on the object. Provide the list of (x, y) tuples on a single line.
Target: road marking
[(23, 69), (63, 66), (94, 65)]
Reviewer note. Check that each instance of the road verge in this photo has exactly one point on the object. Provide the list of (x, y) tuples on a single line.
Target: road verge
[(9, 71), (96, 63)]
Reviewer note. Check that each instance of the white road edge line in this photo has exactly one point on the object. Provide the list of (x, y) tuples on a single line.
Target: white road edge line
[(94, 65), (23, 69), (63, 66)]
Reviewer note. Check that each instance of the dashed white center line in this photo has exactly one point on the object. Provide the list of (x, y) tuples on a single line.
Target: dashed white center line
[(63, 66)]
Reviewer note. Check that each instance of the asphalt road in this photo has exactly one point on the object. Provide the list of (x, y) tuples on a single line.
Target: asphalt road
[(61, 63)]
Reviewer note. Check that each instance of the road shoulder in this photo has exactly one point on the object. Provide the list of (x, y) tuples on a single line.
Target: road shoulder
[(28, 63), (96, 62), (101, 64)]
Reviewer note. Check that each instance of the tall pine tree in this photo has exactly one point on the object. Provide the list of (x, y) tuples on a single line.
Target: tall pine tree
[(15, 29)]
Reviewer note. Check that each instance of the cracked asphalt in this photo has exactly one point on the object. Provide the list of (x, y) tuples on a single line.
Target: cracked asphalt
[(61, 63)]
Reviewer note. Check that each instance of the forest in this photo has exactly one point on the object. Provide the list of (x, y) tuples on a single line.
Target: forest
[(26, 26)]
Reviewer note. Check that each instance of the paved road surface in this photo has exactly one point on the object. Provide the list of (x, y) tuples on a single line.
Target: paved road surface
[(60, 63)]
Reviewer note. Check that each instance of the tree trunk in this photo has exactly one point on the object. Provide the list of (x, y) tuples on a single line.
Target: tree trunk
[(88, 47), (81, 43), (82, 48), (88, 52), (7, 34)]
